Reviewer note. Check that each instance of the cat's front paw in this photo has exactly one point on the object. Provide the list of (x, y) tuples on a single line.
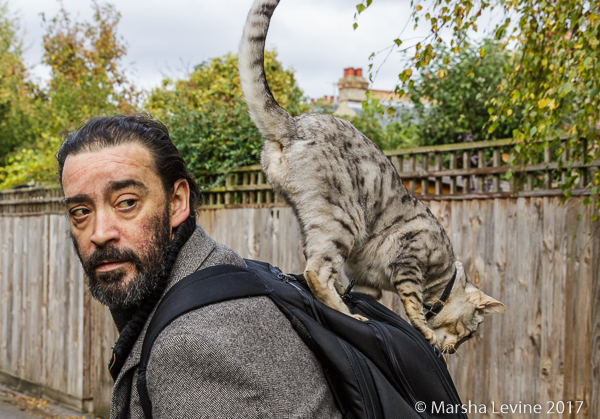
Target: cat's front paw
[(359, 317), (430, 336)]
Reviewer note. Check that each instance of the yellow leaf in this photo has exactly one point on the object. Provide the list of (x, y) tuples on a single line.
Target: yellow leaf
[(481, 52), (532, 96), (542, 103), (509, 112), (418, 8), (440, 74)]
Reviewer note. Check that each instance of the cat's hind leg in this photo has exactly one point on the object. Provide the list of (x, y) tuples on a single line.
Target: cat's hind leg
[(322, 270), (408, 281)]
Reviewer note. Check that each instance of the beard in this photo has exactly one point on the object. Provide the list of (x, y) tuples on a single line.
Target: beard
[(149, 264)]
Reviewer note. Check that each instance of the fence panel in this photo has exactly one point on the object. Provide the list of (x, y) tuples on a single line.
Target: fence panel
[(534, 254)]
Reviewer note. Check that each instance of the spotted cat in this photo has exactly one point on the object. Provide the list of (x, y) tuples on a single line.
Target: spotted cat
[(353, 210)]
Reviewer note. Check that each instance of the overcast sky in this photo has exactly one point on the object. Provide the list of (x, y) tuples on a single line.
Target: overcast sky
[(314, 37)]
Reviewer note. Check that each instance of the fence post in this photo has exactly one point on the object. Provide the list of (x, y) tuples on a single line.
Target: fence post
[(452, 177), (412, 183), (438, 180), (425, 168), (547, 177), (466, 165)]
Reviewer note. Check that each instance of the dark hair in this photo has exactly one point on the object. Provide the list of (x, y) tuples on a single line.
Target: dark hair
[(99, 133)]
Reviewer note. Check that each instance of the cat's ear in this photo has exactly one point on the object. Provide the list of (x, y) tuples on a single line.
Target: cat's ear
[(490, 306)]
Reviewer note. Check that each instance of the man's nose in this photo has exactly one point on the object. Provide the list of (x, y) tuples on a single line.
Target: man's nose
[(105, 229)]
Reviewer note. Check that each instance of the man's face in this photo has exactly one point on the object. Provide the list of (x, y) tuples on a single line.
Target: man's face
[(120, 221)]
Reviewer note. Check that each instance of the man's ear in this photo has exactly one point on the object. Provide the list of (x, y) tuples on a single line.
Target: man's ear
[(179, 205)]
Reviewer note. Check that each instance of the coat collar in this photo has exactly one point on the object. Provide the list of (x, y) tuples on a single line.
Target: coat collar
[(191, 257)]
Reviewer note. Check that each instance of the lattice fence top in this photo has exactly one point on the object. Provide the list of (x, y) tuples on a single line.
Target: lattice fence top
[(31, 201), (476, 170)]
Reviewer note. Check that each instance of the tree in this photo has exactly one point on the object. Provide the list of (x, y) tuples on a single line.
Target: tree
[(87, 80), (452, 95), (85, 61), (553, 75), (17, 94), (207, 116)]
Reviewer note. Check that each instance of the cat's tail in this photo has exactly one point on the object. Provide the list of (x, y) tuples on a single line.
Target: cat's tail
[(273, 122)]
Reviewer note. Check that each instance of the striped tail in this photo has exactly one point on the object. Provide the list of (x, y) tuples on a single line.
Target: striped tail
[(273, 122)]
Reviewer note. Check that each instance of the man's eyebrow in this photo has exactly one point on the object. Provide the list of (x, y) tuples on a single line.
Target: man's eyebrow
[(122, 184), (77, 199)]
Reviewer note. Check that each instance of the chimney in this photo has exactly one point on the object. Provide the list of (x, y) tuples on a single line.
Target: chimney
[(348, 72), (312, 101), (331, 98), (325, 98), (352, 88)]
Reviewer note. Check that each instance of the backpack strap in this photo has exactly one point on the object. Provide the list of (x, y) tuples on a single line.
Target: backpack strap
[(204, 287)]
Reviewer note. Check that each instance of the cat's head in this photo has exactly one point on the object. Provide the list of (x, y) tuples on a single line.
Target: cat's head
[(462, 313)]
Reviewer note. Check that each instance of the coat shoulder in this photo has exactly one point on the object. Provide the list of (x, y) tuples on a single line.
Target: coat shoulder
[(244, 348)]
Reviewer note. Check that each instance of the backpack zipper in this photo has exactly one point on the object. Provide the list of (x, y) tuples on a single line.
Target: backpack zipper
[(288, 279), (362, 382), (396, 366)]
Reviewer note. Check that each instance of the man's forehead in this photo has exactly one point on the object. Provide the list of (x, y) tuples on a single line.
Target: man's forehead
[(129, 154), (93, 169)]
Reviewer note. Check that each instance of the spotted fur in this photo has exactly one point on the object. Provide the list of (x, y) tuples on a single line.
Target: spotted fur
[(353, 210)]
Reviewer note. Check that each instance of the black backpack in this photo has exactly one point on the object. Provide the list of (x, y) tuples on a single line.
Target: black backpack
[(382, 368)]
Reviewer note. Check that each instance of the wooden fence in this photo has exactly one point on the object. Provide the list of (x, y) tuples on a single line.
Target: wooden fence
[(523, 246), (480, 170)]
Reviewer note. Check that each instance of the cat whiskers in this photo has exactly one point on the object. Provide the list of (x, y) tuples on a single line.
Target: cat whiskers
[(458, 353)]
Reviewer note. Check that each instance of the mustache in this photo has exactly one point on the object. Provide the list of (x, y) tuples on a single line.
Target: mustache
[(110, 254)]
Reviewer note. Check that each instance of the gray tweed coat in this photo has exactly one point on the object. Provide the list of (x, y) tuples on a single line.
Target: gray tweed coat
[(236, 359)]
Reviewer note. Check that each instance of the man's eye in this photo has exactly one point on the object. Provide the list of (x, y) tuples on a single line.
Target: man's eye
[(127, 203), (79, 212)]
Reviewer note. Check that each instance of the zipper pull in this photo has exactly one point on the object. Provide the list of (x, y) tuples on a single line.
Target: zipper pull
[(285, 278)]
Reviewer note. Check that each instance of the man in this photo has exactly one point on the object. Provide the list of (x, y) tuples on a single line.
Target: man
[(130, 201)]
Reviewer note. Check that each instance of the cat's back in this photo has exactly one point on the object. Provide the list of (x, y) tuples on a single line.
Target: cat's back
[(325, 143), (329, 131)]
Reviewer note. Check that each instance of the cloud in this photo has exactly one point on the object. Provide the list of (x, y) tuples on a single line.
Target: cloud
[(313, 37)]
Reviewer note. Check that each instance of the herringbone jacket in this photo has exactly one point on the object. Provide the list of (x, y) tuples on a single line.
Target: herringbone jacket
[(236, 359)]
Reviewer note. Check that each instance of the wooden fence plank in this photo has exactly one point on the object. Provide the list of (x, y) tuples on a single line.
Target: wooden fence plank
[(547, 304), (511, 333), (557, 333), (594, 411), (496, 324), (533, 301), (582, 319), (17, 289), (572, 305)]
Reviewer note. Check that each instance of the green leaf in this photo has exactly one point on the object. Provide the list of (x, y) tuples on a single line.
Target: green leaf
[(360, 7)]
